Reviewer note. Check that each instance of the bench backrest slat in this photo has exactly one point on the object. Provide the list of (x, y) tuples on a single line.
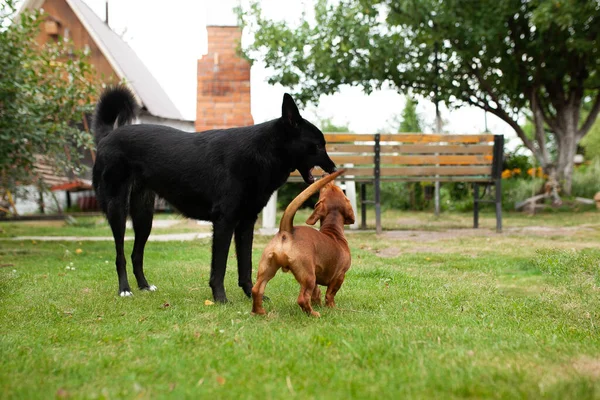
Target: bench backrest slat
[(400, 172), (408, 138), (415, 157), (411, 149), (415, 160)]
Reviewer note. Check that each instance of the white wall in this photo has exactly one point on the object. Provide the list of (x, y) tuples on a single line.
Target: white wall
[(27, 200), (187, 126)]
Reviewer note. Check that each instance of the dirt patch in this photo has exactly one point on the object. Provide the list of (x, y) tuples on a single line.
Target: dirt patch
[(390, 252), (409, 222), (542, 231), (43, 223), (429, 236), (587, 367), (550, 230)]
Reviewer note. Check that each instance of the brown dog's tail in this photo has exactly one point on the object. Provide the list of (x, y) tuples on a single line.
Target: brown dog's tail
[(287, 221)]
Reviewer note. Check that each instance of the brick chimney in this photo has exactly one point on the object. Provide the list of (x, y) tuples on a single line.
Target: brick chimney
[(223, 97)]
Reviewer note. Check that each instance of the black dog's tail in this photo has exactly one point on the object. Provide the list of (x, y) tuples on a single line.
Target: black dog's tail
[(117, 107)]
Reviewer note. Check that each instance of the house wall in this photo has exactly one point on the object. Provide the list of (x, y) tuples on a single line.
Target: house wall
[(28, 201), (223, 99), (71, 27), (187, 126)]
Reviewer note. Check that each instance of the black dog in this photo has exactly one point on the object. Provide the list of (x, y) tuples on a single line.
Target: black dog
[(224, 176)]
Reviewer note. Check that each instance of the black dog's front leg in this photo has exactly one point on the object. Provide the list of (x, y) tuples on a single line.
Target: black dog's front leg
[(222, 232), (244, 234)]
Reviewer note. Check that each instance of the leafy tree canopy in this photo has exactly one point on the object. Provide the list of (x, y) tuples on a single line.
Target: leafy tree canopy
[(503, 56), (45, 92)]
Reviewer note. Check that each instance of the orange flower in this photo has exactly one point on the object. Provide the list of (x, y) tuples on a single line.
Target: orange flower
[(507, 173), (540, 172), (531, 172), (516, 171)]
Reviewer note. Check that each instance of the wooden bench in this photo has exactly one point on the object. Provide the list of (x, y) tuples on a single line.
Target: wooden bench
[(376, 158)]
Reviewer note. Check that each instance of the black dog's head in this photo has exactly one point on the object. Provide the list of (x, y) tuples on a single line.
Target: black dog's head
[(305, 143)]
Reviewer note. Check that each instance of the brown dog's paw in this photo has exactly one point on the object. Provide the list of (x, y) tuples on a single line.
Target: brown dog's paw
[(315, 314), (259, 312)]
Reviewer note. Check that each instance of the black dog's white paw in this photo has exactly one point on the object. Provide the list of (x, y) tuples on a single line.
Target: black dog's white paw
[(150, 288), (125, 293)]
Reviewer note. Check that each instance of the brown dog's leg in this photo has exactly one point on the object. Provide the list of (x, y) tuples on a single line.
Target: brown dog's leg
[(316, 296), (332, 289), (266, 271), (304, 298), (306, 277)]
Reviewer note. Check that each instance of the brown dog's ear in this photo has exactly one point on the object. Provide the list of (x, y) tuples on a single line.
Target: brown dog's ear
[(317, 214), (348, 213)]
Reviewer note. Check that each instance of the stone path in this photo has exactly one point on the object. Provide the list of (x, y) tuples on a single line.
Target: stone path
[(152, 238)]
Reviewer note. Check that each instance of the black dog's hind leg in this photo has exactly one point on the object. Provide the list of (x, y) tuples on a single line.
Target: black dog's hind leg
[(244, 234), (141, 209), (222, 233), (116, 214)]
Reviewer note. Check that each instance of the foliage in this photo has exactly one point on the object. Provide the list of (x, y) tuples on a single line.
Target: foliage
[(591, 142), (586, 180), (516, 190), (327, 125), (44, 94), (411, 121), (400, 196), (456, 196), (517, 161), (504, 56)]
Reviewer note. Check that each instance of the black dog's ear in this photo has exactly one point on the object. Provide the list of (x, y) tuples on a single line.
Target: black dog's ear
[(289, 111)]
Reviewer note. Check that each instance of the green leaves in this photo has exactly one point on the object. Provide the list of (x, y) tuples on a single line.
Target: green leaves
[(44, 94), (498, 55), (411, 122)]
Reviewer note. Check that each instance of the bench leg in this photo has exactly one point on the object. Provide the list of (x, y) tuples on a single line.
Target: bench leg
[(475, 205), (378, 227), (363, 206), (498, 205)]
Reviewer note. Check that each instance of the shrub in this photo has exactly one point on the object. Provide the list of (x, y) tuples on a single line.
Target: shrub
[(289, 191), (516, 190), (586, 180), (517, 164)]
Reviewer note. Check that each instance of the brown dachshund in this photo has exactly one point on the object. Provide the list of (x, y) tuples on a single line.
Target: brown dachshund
[(314, 257)]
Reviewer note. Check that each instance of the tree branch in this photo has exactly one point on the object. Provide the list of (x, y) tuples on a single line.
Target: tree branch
[(500, 113), (546, 113), (538, 123), (589, 121)]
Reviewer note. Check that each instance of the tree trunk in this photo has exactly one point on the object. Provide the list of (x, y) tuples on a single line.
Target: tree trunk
[(567, 147), (567, 141)]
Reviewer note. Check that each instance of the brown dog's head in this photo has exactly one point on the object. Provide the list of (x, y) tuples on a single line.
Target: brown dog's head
[(332, 198)]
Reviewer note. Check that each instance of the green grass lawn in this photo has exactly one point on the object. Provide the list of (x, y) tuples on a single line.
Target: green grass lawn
[(441, 316)]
